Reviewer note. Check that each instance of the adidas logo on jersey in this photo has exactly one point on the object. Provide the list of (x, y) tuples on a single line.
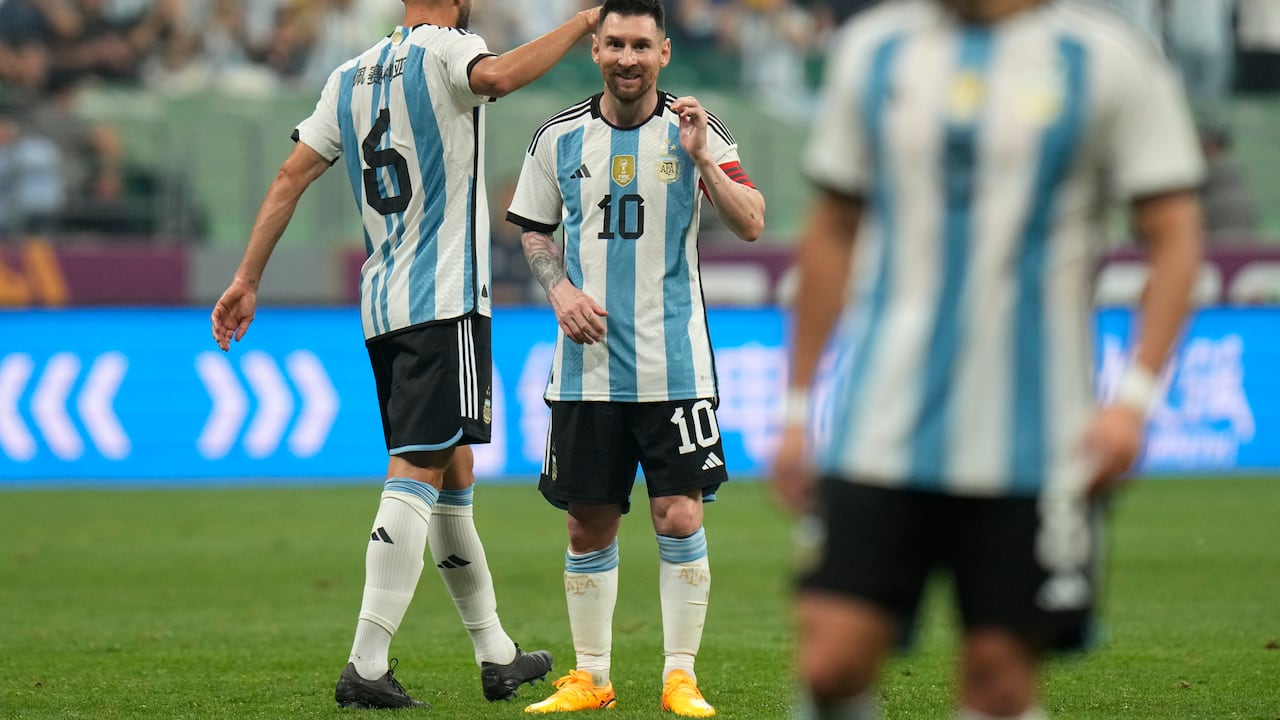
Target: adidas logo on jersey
[(581, 172), (713, 461)]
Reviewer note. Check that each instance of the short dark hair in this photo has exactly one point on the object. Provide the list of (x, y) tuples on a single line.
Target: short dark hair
[(652, 8)]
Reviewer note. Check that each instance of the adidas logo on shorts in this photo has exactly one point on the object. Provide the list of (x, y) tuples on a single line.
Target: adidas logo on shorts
[(713, 461)]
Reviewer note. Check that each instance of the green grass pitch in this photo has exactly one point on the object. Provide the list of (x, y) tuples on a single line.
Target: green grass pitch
[(241, 604)]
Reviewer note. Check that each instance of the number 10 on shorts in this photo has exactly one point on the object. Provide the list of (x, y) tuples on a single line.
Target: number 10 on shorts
[(705, 430)]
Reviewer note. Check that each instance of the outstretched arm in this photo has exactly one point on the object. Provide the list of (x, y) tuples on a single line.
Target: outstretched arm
[(504, 74), (578, 315), (234, 311), (740, 206)]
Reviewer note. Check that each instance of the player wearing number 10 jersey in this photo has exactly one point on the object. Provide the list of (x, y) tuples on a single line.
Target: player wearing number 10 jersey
[(633, 380)]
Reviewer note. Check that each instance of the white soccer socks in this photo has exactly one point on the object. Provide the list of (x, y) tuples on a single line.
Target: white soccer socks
[(459, 556), (591, 591), (392, 566), (684, 585)]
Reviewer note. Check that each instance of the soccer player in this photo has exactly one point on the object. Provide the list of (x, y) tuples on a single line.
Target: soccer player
[(406, 117), (633, 379), (969, 146)]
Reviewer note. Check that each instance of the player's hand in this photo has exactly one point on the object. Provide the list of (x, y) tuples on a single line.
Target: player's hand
[(578, 314), (1112, 444), (693, 126), (233, 313), (592, 18), (792, 478)]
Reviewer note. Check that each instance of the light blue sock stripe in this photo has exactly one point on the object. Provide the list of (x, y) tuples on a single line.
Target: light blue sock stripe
[(422, 491), (460, 498), (683, 550), (592, 562)]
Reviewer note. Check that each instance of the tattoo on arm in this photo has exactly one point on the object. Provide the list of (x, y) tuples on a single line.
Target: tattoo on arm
[(544, 258)]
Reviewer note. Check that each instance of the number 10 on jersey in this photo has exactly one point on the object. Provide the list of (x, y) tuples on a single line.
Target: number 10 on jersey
[(630, 220)]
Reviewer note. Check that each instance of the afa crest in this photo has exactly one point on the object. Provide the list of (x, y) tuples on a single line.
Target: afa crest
[(624, 169), (668, 170)]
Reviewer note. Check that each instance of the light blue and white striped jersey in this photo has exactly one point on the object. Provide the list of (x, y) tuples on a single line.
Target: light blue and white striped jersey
[(629, 200), (403, 116), (986, 156)]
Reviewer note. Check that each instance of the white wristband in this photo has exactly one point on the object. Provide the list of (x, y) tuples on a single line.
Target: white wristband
[(1137, 388), (796, 410)]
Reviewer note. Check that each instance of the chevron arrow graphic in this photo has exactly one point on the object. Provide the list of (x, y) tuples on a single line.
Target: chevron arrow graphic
[(49, 406), (320, 403), (276, 407), (15, 439), (95, 405), (275, 404), (230, 405)]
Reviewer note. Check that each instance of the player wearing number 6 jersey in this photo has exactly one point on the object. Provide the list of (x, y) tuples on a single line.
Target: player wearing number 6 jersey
[(406, 120), (633, 380)]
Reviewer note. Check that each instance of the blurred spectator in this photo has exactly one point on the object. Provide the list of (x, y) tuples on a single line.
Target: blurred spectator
[(335, 31), (32, 188), (92, 151), (1202, 46), (1229, 207), (774, 38), (1144, 14), (834, 13), (698, 23), (1259, 40), (514, 22), (28, 28), (111, 47)]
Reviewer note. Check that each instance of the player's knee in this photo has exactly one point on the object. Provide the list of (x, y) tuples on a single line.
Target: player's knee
[(592, 527), (841, 645), (460, 474), (676, 515), (833, 677), (998, 674)]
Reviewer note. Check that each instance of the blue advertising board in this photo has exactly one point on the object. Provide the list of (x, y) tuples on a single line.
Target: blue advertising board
[(143, 396)]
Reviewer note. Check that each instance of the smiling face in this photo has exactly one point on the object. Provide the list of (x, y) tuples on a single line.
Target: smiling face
[(630, 50)]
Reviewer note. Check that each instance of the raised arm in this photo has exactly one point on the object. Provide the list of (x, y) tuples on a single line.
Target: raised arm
[(234, 311), (739, 205), (578, 315), (503, 74)]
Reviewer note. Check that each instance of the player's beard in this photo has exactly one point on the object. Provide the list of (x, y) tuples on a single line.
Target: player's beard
[(630, 95), (464, 15)]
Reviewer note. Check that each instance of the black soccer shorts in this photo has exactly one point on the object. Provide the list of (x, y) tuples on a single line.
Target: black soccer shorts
[(435, 384), (593, 449), (1014, 564)]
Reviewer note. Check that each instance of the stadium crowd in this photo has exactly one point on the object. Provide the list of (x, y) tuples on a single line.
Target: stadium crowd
[(60, 170)]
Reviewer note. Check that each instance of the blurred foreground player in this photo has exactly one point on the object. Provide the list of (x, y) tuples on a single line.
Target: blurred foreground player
[(969, 146)]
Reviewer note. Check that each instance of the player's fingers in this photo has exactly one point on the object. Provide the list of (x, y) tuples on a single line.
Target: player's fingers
[(573, 330)]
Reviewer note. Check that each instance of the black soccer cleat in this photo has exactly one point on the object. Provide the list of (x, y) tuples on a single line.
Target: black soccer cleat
[(500, 682), (385, 693)]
